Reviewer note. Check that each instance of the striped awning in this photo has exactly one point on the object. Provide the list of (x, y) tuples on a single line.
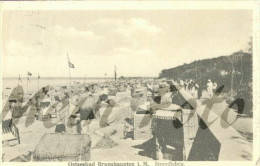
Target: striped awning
[(167, 115)]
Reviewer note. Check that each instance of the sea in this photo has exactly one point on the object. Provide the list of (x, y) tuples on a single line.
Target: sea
[(31, 85)]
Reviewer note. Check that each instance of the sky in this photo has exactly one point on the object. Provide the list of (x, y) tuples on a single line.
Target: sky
[(138, 42)]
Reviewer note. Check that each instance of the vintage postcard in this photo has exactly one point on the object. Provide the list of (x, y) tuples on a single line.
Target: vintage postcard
[(130, 83)]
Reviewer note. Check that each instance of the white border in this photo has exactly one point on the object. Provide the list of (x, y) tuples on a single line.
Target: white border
[(160, 5)]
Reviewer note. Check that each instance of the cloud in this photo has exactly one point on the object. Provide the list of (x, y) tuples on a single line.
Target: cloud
[(101, 37), (71, 32), (139, 25), (133, 34), (129, 26), (137, 29), (52, 41), (132, 52), (15, 48)]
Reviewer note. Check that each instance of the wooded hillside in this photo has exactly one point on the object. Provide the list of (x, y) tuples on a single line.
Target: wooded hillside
[(234, 72)]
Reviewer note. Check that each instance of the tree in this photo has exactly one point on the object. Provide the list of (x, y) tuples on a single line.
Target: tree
[(250, 45)]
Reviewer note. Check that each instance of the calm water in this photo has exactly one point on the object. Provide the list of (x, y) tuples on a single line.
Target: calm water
[(33, 83)]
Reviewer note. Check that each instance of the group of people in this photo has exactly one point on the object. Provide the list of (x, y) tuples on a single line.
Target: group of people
[(211, 88), (196, 87)]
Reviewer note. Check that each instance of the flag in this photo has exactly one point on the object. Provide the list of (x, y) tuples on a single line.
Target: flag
[(28, 79), (71, 65), (29, 74), (38, 76), (20, 79)]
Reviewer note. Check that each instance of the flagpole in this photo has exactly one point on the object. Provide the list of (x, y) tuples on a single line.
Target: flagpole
[(27, 83), (38, 81), (19, 79), (115, 71), (196, 70), (69, 67)]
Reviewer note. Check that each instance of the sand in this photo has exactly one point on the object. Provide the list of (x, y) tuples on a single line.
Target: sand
[(123, 149)]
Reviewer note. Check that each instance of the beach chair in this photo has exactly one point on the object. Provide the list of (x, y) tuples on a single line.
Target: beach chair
[(10, 132)]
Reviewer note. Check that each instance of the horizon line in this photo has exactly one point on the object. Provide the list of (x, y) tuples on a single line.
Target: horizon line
[(80, 77)]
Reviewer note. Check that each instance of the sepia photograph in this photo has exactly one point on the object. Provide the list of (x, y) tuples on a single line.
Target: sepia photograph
[(127, 84)]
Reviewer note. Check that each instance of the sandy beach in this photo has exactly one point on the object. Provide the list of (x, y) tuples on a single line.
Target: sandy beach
[(124, 148)]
